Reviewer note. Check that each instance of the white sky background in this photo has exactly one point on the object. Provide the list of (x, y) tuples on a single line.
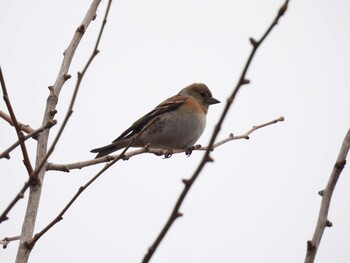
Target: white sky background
[(257, 202)]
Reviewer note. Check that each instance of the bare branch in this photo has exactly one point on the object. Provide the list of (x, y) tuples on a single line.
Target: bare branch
[(206, 158), (50, 110), (24, 127), (34, 133), (245, 135), (6, 240), (75, 93), (128, 155), (26, 160), (322, 221), (31, 179), (20, 195), (59, 217)]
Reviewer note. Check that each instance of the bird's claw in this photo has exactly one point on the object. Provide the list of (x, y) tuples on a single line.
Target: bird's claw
[(168, 154), (189, 151)]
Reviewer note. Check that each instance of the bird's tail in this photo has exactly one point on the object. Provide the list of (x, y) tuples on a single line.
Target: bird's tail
[(105, 150)]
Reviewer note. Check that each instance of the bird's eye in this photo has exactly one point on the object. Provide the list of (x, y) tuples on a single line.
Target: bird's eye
[(202, 93)]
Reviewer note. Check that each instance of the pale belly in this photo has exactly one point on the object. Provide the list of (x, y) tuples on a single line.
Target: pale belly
[(175, 133)]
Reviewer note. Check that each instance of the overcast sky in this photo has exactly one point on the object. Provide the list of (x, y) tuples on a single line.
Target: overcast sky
[(257, 202)]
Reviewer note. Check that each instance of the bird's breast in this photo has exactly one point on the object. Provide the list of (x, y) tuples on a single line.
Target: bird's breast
[(178, 129)]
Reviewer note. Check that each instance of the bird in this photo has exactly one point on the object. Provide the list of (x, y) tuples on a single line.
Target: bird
[(181, 120)]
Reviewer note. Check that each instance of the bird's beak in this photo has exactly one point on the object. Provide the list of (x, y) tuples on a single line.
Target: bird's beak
[(212, 100)]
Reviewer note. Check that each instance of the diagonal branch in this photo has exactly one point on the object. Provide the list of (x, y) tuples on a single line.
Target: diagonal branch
[(20, 135), (128, 155), (20, 195), (206, 158), (33, 134), (59, 217), (26, 128), (322, 221), (30, 181)]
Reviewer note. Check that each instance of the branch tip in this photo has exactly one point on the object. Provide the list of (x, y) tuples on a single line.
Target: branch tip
[(210, 159), (53, 112), (283, 9), (179, 214), (186, 181), (245, 81), (81, 29), (310, 245), (67, 77), (329, 223), (3, 218), (340, 164), (321, 192), (253, 42)]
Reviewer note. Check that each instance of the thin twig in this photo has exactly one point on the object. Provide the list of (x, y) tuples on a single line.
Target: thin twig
[(30, 181), (20, 195), (59, 217), (20, 135), (75, 93), (34, 133), (322, 221), (24, 127), (6, 240), (159, 152), (50, 111), (206, 158), (232, 137)]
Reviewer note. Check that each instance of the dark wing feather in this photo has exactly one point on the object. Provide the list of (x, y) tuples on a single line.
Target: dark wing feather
[(168, 105)]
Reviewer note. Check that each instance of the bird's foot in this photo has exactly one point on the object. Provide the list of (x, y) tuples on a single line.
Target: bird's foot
[(168, 154), (189, 151)]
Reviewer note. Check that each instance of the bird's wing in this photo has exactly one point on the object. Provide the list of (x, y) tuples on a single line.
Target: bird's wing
[(168, 105)]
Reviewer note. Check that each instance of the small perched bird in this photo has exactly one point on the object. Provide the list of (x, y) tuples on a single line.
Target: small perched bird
[(181, 121)]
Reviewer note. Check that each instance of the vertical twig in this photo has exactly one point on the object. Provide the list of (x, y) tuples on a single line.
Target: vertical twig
[(50, 110), (20, 135), (322, 221), (206, 158)]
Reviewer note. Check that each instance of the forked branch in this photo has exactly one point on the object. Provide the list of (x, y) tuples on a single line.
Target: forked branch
[(29, 244), (42, 152), (24, 127), (19, 132)]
